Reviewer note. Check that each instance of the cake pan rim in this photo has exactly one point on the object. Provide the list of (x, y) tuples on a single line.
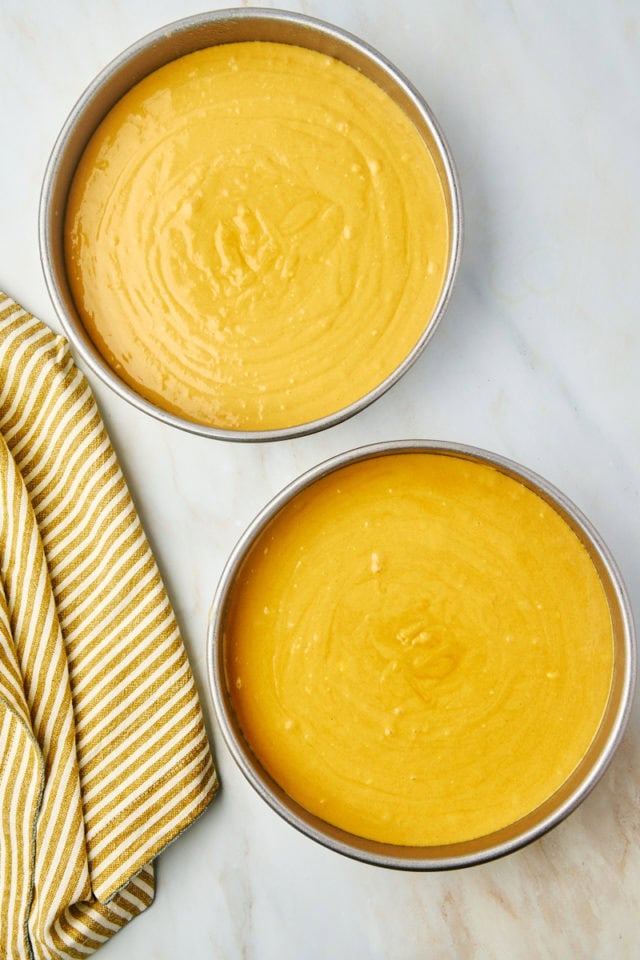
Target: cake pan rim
[(53, 263), (239, 750)]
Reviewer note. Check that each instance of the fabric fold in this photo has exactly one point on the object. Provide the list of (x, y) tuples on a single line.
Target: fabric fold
[(104, 754)]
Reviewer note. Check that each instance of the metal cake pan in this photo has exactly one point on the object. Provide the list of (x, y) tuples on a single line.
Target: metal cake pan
[(539, 821), (153, 51)]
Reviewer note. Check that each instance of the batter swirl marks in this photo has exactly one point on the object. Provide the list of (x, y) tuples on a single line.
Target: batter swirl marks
[(256, 236), (419, 649)]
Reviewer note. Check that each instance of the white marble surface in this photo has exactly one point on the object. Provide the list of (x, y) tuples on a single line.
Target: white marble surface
[(537, 358)]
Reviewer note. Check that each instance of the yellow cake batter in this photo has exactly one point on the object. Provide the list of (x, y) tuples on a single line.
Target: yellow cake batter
[(419, 649), (256, 236)]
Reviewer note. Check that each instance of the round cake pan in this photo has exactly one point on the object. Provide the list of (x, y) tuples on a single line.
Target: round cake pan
[(153, 51), (512, 837)]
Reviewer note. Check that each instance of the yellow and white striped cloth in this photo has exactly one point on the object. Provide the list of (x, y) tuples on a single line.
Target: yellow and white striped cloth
[(104, 758)]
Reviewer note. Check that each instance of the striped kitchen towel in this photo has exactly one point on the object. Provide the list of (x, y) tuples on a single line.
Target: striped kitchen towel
[(104, 758)]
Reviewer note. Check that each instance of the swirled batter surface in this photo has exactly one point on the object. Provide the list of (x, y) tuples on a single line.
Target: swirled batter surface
[(419, 649), (256, 236)]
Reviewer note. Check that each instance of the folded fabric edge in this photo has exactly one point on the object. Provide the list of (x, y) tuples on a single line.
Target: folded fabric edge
[(215, 786), (6, 925)]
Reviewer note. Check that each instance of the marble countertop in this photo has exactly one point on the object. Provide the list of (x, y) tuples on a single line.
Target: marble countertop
[(537, 358)]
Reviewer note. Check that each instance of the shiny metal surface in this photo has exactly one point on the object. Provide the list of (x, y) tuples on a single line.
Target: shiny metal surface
[(539, 821), (152, 52)]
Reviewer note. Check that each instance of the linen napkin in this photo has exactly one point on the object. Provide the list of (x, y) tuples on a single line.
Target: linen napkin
[(104, 758)]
